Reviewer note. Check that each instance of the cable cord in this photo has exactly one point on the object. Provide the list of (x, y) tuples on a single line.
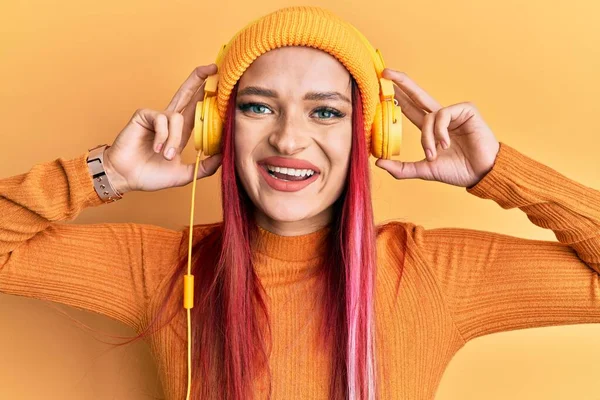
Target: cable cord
[(188, 283)]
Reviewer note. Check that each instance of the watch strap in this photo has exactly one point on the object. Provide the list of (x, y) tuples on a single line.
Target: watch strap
[(102, 185)]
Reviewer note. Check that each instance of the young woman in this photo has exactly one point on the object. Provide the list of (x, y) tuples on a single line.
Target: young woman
[(298, 294)]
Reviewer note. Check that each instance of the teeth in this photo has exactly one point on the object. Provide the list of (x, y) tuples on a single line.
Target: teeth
[(291, 171)]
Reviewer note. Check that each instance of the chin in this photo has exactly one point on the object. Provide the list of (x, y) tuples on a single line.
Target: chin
[(286, 213)]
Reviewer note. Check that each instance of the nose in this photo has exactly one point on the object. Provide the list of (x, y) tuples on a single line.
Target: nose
[(290, 137)]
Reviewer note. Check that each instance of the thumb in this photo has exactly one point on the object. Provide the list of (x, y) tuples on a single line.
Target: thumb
[(406, 169), (206, 167), (209, 165)]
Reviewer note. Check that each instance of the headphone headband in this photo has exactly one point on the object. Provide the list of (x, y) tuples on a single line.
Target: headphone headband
[(382, 114)]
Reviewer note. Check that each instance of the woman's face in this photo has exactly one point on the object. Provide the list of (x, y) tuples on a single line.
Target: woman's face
[(293, 114)]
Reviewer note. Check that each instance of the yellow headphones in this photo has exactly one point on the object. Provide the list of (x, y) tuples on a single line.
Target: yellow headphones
[(386, 131), (386, 136)]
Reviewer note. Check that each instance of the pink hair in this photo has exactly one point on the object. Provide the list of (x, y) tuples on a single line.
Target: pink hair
[(231, 331)]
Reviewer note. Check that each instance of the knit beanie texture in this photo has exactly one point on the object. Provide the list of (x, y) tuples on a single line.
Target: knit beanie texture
[(302, 26)]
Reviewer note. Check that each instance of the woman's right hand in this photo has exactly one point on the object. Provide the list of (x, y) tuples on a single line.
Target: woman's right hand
[(135, 162)]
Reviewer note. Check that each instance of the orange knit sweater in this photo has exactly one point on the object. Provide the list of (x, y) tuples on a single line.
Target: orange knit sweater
[(436, 289)]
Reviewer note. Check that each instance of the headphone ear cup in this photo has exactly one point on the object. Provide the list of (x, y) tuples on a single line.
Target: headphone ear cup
[(386, 136), (207, 132), (377, 133), (395, 132), (213, 127), (198, 126)]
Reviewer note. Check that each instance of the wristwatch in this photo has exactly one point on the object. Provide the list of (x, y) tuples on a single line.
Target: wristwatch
[(95, 162)]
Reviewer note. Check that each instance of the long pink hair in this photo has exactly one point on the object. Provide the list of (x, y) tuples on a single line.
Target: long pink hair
[(231, 331)]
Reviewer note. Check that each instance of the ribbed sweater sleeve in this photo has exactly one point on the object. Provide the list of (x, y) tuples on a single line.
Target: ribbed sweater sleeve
[(494, 282), (107, 268)]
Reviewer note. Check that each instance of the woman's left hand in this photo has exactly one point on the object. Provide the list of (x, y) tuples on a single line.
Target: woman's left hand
[(463, 148)]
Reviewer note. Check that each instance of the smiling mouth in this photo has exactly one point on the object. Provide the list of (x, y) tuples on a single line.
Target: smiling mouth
[(288, 174)]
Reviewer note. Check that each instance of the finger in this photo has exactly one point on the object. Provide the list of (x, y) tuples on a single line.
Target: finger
[(440, 129), (416, 93), (460, 113), (153, 121), (190, 111), (409, 108), (427, 138), (189, 87), (407, 170), (206, 167), (173, 144), (161, 132)]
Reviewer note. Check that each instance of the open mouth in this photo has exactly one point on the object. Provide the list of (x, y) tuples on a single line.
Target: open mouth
[(289, 174)]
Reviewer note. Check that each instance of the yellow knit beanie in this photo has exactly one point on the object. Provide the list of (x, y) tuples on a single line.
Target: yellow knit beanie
[(302, 26)]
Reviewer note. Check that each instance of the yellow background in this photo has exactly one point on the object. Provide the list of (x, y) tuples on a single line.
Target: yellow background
[(74, 72)]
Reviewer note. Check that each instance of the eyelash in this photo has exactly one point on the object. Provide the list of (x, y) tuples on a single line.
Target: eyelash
[(333, 111)]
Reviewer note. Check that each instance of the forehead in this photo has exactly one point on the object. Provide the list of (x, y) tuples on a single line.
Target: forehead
[(297, 69)]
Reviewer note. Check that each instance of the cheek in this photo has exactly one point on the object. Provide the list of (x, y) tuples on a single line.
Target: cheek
[(247, 137), (246, 140), (242, 155), (339, 147), (243, 142)]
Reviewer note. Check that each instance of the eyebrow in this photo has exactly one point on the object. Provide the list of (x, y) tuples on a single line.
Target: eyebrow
[(260, 91)]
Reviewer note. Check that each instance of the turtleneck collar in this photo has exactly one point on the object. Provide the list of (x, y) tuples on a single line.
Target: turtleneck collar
[(291, 248), (280, 258)]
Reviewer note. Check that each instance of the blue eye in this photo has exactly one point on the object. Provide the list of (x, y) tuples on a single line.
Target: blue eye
[(323, 112), (253, 107), (332, 112)]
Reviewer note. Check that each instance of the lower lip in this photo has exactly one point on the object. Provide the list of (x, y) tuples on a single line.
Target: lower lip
[(286, 186)]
